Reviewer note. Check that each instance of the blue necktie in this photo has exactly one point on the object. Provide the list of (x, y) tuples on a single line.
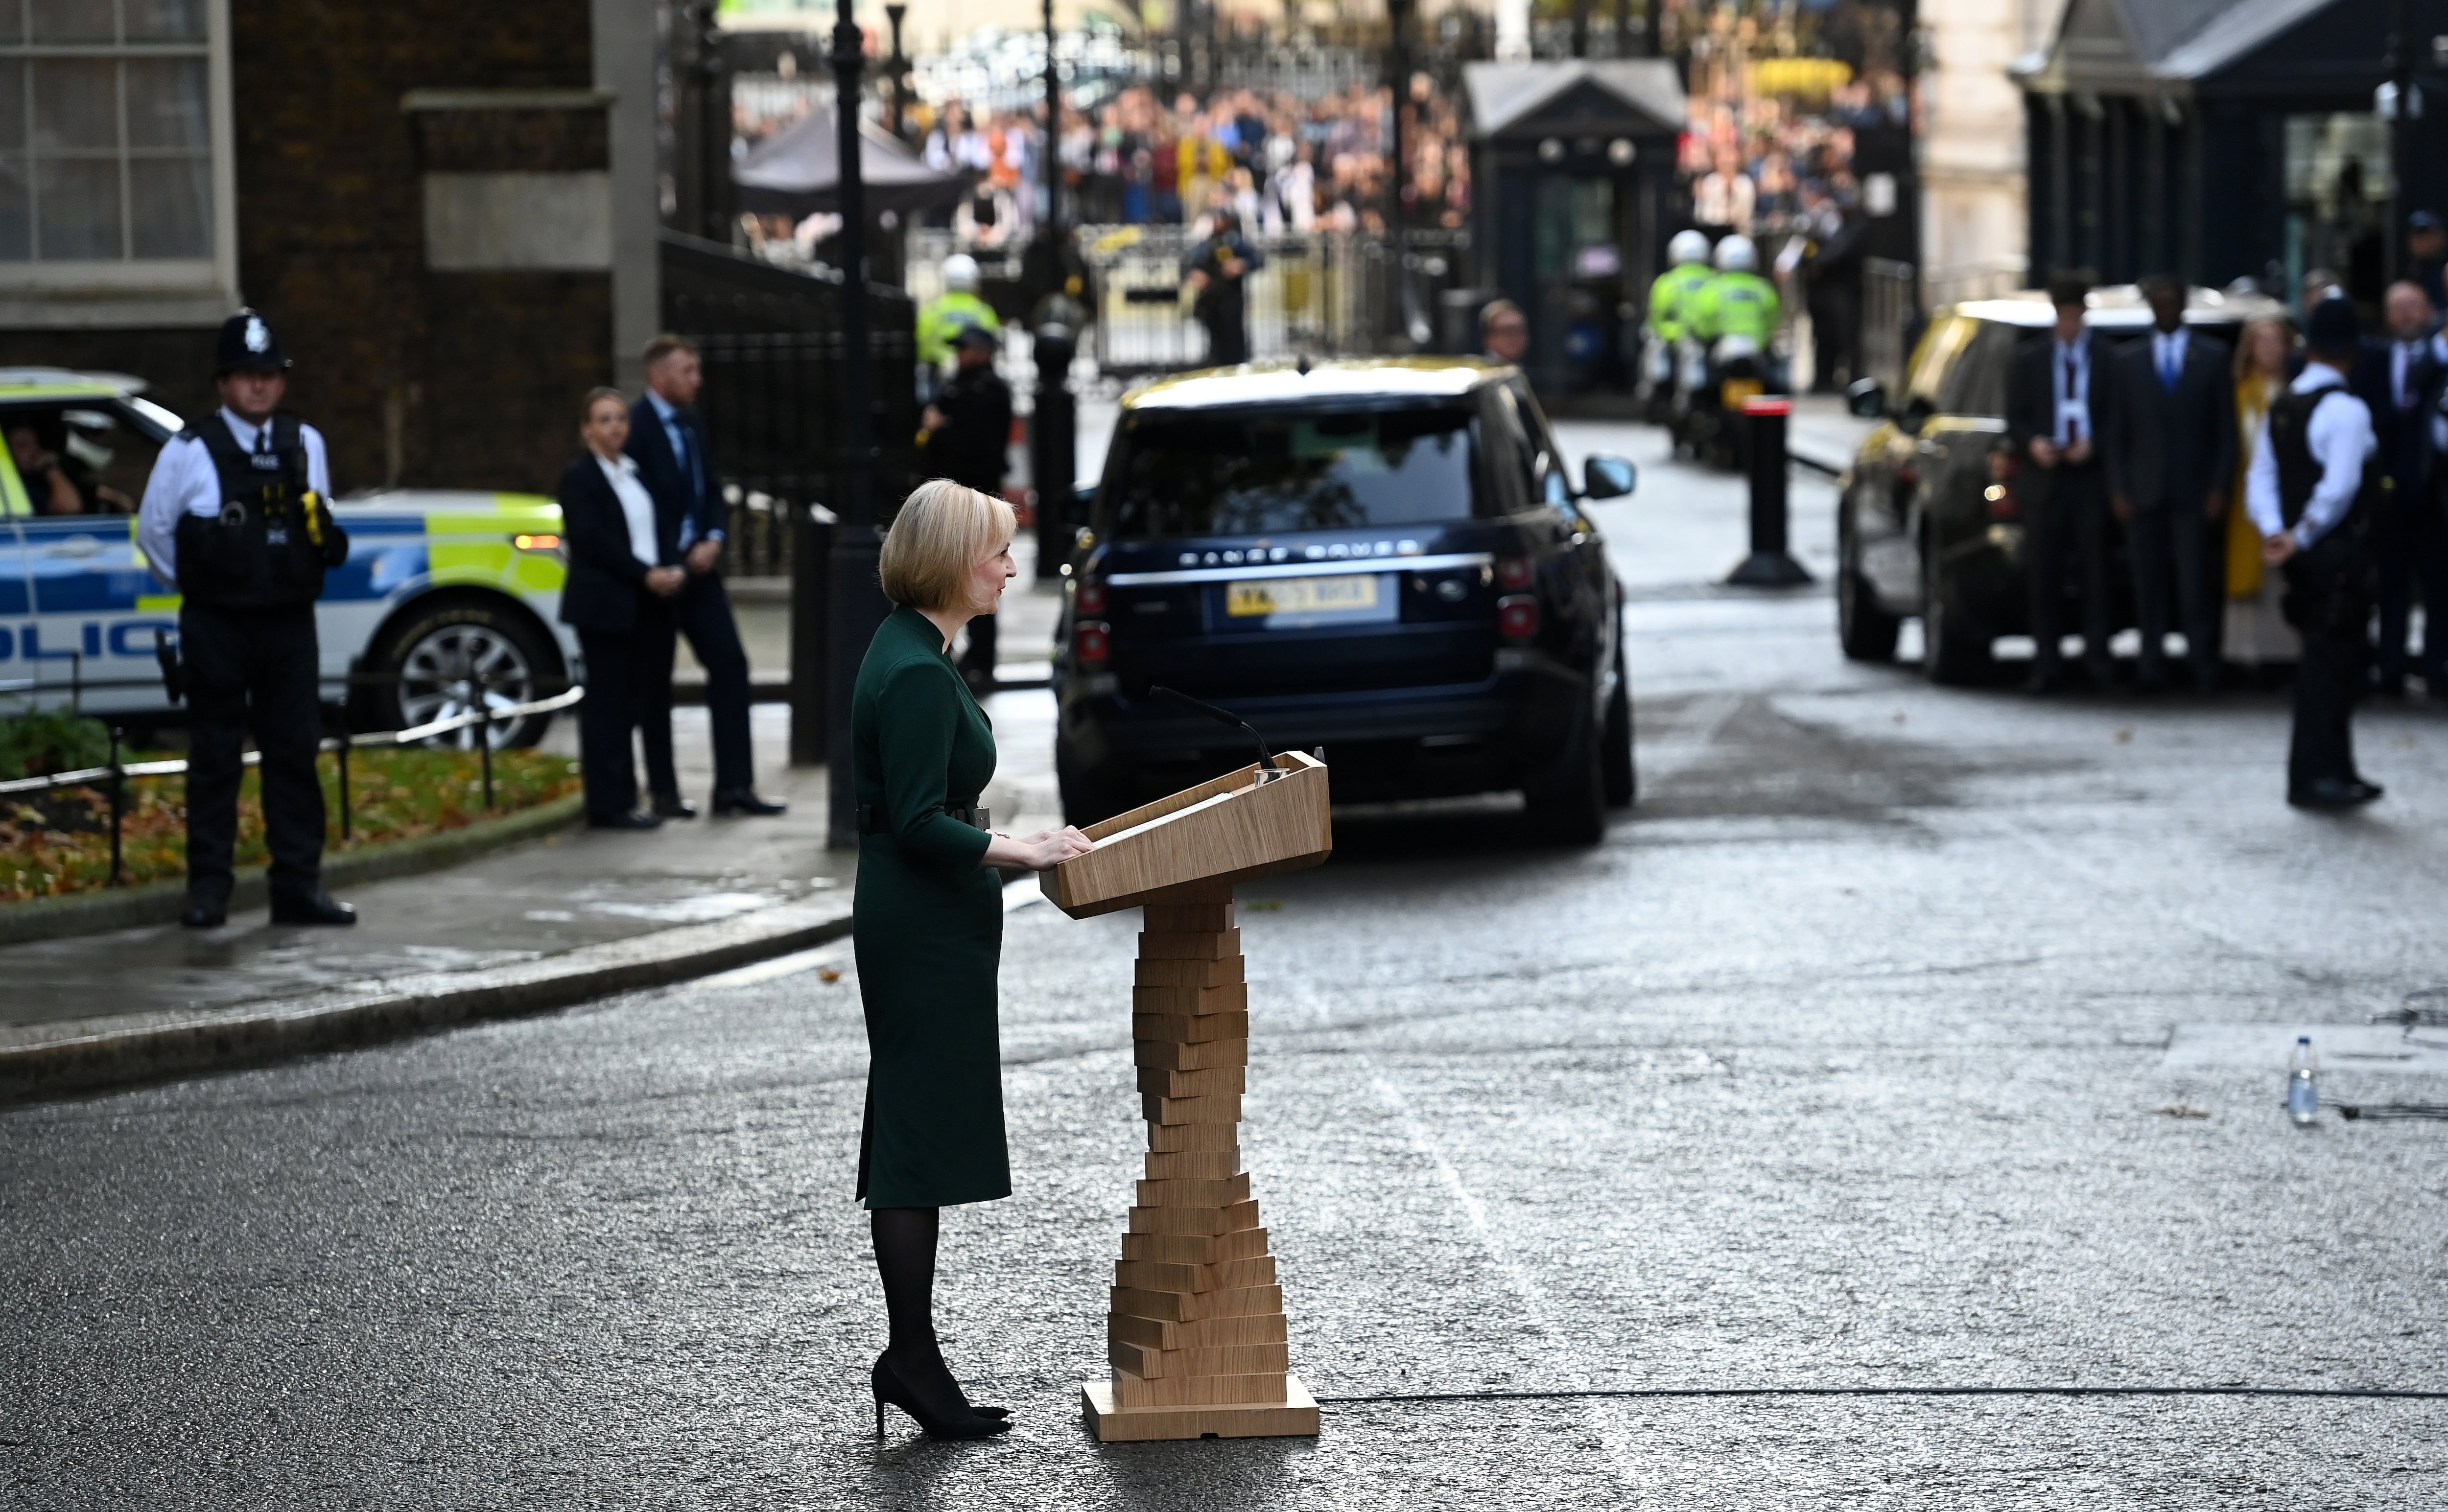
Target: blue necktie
[(2167, 369)]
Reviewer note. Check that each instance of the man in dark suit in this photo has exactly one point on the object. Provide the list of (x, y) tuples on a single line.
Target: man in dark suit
[(2399, 382), (2057, 482), (2169, 442), (676, 462)]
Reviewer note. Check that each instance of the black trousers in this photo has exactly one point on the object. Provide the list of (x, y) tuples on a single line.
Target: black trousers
[(2329, 604), (252, 673), (622, 671), (2170, 544), (701, 611), (2410, 549), (2065, 527), (1227, 338)]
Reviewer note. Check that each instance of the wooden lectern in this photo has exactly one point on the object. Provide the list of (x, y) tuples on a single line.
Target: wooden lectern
[(1195, 1332)]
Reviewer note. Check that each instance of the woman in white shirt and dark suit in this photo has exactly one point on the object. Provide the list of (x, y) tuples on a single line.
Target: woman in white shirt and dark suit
[(622, 576)]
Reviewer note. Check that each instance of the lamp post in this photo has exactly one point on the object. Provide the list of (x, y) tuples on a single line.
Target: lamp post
[(1052, 169), (897, 68), (854, 602), (712, 81), (1398, 15)]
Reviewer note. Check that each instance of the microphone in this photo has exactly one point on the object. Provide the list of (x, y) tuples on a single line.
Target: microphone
[(1268, 770)]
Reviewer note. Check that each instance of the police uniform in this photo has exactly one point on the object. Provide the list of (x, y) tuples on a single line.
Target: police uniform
[(2315, 477), (235, 518), (973, 448)]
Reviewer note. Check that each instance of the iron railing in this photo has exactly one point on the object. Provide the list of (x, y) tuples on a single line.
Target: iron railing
[(1890, 314), (116, 775)]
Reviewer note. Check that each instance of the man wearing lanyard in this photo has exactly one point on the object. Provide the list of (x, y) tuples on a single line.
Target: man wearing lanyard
[(669, 445), (2313, 481), (2051, 469), (2399, 380), (235, 519)]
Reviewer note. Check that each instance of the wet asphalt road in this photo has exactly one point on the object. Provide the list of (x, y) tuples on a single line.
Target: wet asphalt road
[(1845, 1062)]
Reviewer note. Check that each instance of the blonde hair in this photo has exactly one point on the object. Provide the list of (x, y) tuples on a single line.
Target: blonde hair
[(944, 529), (2245, 367)]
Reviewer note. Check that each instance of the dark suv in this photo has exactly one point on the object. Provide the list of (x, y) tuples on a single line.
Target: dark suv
[(1384, 558), (1927, 522)]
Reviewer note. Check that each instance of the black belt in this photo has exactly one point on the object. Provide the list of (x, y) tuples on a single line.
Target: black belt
[(871, 821)]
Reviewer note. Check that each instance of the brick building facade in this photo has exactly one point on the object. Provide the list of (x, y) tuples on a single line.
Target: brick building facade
[(447, 209)]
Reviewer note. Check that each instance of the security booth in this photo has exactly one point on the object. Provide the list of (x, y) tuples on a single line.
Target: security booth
[(2220, 140), (1573, 176)]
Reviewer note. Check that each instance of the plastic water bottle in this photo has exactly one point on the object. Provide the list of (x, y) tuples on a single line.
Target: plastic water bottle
[(2303, 1082)]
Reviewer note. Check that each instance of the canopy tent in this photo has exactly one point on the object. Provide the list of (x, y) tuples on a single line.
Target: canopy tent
[(795, 171)]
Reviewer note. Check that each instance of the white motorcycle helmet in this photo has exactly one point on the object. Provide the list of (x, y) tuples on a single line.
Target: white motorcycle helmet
[(1736, 255), (961, 273), (1687, 246)]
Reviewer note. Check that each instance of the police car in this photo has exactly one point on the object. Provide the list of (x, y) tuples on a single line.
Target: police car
[(439, 587)]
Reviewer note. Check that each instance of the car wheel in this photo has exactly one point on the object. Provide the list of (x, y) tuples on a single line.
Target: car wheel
[(429, 656), (1954, 652), (1622, 781), (1569, 807), (1086, 801), (1866, 631)]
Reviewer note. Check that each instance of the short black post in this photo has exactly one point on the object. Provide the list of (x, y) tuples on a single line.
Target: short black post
[(811, 554), (118, 809), (1770, 564), (343, 755), (483, 741), (1054, 444)]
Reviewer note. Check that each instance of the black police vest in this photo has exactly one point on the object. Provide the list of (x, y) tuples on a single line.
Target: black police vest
[(2299, 470), (274, 537)]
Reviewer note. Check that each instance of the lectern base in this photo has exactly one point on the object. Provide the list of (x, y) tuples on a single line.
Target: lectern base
[(1295, 1416)]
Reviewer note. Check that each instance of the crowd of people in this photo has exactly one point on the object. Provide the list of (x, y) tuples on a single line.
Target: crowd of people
[(1280, 163)]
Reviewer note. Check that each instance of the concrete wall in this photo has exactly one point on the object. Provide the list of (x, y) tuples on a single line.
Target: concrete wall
[(1975, 223)]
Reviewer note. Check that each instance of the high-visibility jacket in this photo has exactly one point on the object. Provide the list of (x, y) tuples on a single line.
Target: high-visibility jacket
[(1673, 296), (1735, 304), (942, 319)]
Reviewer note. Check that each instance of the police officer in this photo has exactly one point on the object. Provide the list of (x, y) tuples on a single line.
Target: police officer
[(946, 316), (968, 439), (2316, 477), (1673, 298), (235, 519), (1738, 303)]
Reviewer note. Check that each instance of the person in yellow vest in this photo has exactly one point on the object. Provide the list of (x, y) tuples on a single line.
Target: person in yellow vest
[(1671, 298), (1737, 301), (945, 316)]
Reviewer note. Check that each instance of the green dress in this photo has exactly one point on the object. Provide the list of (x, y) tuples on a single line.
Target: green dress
[(928, 923)]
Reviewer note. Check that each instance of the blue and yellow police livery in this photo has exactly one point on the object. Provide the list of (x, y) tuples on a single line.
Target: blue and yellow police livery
[(439, 585)]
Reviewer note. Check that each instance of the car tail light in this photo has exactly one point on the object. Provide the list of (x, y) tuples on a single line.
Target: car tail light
[(1091, 599), (1513, 572), (1517, 617), (1092, 641)]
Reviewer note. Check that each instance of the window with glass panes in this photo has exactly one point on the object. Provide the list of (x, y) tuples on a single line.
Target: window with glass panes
[(106, 131)]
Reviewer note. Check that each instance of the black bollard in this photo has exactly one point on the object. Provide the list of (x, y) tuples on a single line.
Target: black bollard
[(1054, 447), (1770, 564), (811, 552)]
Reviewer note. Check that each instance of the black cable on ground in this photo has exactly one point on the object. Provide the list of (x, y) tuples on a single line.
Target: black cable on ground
[(2395, 1110), (1675, 1391)]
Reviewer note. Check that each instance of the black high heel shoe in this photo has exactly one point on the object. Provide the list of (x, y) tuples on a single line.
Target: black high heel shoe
[(938, 1405)]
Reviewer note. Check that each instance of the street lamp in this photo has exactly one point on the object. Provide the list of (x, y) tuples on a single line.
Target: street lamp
[(1398, 15), (853, 601), (1053, 167), (897, 66)]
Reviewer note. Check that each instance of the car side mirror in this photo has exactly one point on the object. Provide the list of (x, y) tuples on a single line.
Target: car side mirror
[(1916, 414), (1866, 398), (1605, 476)]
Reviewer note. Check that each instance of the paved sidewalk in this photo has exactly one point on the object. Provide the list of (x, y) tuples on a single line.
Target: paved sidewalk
[(566, 898)]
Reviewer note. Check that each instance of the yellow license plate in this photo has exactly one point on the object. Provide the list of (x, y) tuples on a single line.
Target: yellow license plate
[(1353, 594), (1734, 390)]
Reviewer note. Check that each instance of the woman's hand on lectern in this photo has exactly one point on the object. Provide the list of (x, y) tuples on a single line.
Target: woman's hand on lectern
[(1042, 851)]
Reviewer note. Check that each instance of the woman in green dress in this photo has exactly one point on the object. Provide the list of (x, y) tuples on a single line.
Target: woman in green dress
[(928, 928)]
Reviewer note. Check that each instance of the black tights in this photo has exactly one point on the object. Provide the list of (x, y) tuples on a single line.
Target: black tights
[(905, 1258)]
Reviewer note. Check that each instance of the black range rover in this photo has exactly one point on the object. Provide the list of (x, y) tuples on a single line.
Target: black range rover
[(1384, 558), (1927, 524)]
